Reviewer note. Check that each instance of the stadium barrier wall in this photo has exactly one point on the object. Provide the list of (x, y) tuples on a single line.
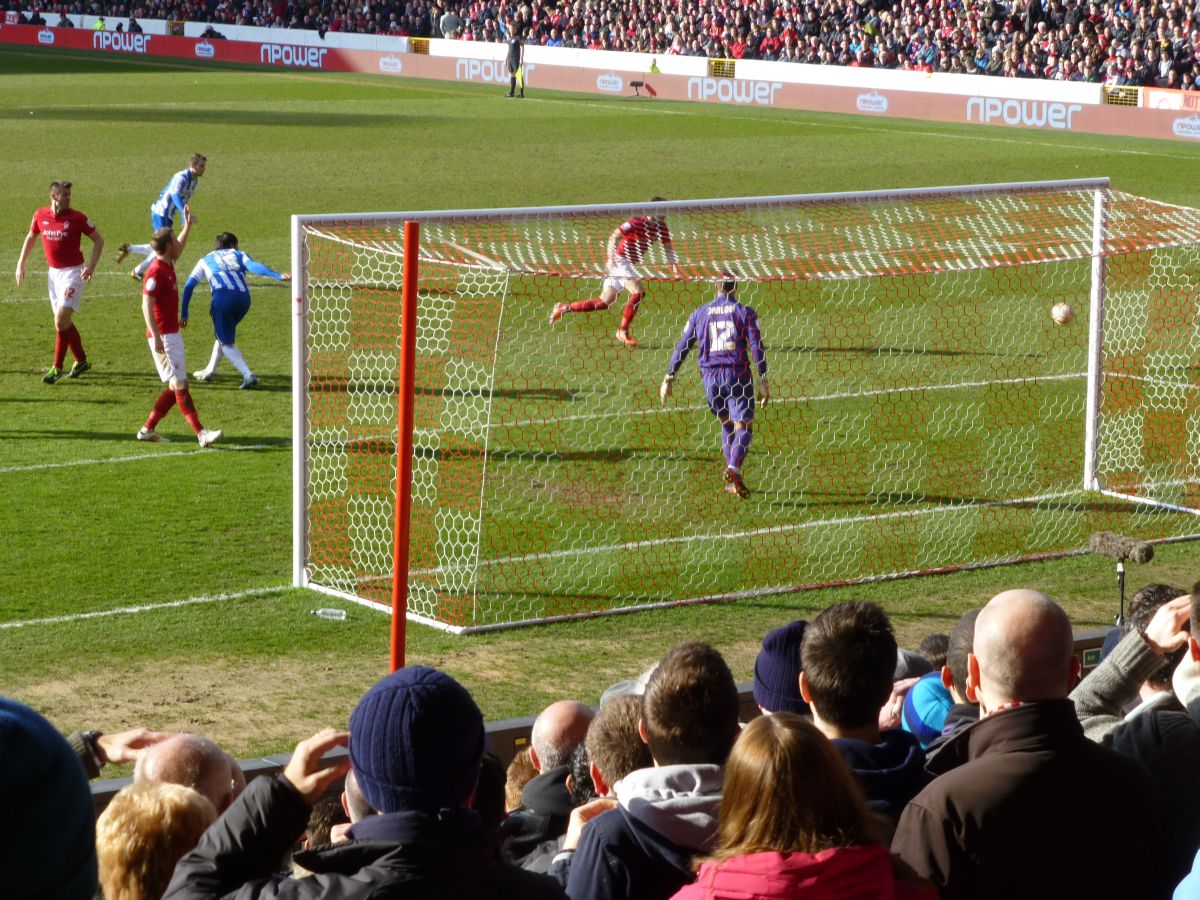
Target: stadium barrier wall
[(1054, 106), (508, 737)]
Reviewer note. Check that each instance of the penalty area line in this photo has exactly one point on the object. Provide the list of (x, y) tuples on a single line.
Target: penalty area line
[(148, 607), (37, 467)]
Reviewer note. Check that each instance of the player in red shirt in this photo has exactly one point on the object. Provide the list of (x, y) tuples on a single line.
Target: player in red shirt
[(62, 230), (160, 309), (627, 246)]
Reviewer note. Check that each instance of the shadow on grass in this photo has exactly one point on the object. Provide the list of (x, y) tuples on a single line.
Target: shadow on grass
[(218, 116)]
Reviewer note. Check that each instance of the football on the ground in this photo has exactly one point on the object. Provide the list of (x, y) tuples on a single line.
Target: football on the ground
[(1062, 313)]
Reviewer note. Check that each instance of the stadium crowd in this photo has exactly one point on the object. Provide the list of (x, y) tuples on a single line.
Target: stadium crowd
[(979, 767), (1118, 42)]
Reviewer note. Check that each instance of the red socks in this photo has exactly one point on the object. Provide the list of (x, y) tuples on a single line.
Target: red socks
[(184, 398), (68, 339), (162, 406), (75, 342), (630, 310), (587, 305)]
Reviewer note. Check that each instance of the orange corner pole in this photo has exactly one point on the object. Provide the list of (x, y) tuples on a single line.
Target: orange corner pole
[(404, 443)]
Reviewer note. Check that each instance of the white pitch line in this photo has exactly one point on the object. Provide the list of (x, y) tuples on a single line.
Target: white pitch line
[(148, 607), (37, 467), (815, 398)]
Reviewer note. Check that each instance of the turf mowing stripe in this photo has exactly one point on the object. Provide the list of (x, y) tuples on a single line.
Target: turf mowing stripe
[(123, 459), (130, 610)]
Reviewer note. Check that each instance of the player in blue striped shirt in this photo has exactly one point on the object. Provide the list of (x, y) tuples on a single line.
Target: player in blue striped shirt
[(728, 335), (225, 270), (174, 197)]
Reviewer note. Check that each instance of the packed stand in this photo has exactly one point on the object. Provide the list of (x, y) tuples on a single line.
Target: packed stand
[(1129, 42), (973, 768)]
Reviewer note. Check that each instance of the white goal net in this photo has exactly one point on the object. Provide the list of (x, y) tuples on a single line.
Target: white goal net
[(927, 413)]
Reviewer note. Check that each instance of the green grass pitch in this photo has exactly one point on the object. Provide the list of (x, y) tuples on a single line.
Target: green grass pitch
[(94, 522)]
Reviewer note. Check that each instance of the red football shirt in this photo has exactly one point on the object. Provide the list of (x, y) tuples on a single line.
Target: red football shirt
[(159, 283), (61, 235), (638, 234)]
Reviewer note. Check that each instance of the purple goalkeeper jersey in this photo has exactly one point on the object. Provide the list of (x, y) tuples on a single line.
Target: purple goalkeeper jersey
[(728, 335)]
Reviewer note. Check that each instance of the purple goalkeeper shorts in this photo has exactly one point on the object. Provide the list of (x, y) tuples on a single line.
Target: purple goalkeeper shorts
[(730, 393)]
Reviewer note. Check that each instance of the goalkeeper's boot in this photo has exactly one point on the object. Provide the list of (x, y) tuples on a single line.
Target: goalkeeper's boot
[(122, 252), (735, 484), (79, 368), (624, 338), (52, 375), (557, 312), (149, 434)]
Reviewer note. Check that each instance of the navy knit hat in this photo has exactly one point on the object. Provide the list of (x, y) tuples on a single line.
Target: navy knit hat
[(777, 670), (48, 831), (416, 742)]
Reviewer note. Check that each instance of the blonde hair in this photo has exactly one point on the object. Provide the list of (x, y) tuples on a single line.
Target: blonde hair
[(143, 832), (787, 790), (520, 772)]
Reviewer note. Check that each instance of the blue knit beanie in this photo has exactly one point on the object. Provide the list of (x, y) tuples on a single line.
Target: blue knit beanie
[(777, 670), (925, 707), (47, 821), (416, 742)]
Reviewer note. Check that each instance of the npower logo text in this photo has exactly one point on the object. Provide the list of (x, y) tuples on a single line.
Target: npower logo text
[(724, 90), (486, 70), (120, 41), (288, 55), (1187, 128), (1030, 113), (612, 83), (873, 102)]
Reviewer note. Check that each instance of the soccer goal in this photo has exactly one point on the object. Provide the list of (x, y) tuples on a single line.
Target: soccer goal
[(928, 413)]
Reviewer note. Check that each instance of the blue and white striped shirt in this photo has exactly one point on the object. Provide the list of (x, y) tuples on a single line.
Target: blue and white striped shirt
[(176, 194), (225, 271)]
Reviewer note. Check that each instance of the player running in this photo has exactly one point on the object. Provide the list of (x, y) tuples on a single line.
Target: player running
[(174, 198), (627, 246), (728, 334), (225, 270), (62, 230), (160, 309)]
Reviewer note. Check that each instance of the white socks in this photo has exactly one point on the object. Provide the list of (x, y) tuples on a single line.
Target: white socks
[(234, 355)]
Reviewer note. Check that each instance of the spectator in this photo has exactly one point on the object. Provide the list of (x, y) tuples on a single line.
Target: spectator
[(933, 648), (965, 711), (644, 844), (520, 771), (63, 22), (614, 746), (794, 823), (777, 670), (1159, 732), (327, 813), (545, 801), (95, 749), (849, 656), (49, 846), (926, 705), (143, 832), (196, 762), (416, 747), (1021, 770)]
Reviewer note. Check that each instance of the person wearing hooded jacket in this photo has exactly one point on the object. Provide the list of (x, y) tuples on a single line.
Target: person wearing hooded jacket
[(643, 844), (794, 824)]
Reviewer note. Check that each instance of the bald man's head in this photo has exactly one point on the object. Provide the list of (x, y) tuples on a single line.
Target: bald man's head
[(1023, 650), (195, 762), (559, 729)]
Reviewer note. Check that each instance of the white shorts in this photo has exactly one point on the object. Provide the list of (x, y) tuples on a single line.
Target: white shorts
[(619, 273), (170, 364), (66, 287)]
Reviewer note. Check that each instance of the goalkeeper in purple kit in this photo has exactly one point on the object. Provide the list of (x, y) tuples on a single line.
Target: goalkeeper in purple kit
[(728, 335)]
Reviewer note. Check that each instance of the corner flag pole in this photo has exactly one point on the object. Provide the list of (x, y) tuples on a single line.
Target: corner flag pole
[(404, 442)]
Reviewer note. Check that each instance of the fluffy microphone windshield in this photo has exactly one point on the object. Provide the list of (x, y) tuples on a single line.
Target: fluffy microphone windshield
[(1120, 547)]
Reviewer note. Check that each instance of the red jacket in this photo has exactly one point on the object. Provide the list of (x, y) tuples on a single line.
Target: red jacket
[(850, 873)]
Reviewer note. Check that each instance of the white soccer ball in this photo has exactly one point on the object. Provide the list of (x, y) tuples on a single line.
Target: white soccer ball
[(1062, 313)]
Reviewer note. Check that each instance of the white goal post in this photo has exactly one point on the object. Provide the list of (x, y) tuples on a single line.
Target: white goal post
[(927, 414)]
